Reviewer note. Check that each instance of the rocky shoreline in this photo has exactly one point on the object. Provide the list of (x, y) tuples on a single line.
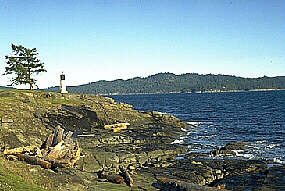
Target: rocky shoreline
[(144, 152)]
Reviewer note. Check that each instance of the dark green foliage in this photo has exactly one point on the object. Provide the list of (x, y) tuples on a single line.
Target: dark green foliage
[(185, 83), (5, 87), (23, 64)]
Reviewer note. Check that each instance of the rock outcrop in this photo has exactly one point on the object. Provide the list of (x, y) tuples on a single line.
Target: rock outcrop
[(140, 156)]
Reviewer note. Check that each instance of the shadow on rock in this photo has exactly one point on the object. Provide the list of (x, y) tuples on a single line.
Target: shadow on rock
[(76, 119)]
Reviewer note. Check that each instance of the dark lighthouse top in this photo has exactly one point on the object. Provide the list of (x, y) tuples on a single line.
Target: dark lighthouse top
[(62, 77)]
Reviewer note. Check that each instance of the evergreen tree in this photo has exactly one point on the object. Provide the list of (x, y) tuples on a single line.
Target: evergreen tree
[(23, 64)]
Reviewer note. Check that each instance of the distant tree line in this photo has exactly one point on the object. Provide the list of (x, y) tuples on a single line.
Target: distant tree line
[(5, 87), (185, 83)]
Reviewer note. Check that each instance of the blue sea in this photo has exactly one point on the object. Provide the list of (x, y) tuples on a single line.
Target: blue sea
[(257, 117)]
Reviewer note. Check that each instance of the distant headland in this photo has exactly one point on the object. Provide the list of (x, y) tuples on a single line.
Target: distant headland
[(184, 83)]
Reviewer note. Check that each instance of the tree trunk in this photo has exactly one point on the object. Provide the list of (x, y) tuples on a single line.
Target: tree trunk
[(29, 78), (34, 160), (58, 150)]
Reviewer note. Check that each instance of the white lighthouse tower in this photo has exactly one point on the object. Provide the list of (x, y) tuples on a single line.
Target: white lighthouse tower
[(62, 84)]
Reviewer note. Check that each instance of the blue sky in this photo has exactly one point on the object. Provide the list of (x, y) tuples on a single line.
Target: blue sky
[(94, 40)]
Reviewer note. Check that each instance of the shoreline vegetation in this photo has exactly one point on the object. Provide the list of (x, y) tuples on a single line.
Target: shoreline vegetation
[(163, 83), (198, 92)]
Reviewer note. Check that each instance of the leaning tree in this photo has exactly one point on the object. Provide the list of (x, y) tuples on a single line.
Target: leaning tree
[(22, 65)]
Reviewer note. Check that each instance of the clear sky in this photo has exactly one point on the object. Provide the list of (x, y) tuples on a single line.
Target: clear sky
[(93, 40)]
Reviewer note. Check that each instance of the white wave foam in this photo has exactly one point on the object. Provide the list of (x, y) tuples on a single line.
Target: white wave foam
[(190, 126), (199, 151), (277, 160), (272, 146), (180, 158), (194, 123), (177, 141), (262, 141), (273, 165), (239, 153)]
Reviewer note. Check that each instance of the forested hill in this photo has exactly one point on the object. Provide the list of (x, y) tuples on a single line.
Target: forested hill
[(169, 83), (5, 87)]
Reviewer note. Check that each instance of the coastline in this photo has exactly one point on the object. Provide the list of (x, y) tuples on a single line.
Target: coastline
[(145, 149), (198, 92)]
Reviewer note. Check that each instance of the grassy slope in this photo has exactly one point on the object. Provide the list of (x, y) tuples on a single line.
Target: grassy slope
[(20, 105), (14, 176), (17, 175)]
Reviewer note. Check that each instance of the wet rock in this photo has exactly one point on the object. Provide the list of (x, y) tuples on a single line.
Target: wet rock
[(115, 178), (235, 146), (106, 159), (90, 164), (229, 149), (213, 173), (173, 184), (275, 178), (250, 179)]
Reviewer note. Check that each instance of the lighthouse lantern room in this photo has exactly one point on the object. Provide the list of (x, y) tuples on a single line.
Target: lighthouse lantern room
[(62, 84)]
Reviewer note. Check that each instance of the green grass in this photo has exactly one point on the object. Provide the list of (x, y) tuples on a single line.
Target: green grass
[(112, 187), (66, 101), (6, 99), (9, 95), (10, 181)]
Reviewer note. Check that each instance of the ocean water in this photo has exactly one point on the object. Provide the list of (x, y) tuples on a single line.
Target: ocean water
[(257, 117)]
